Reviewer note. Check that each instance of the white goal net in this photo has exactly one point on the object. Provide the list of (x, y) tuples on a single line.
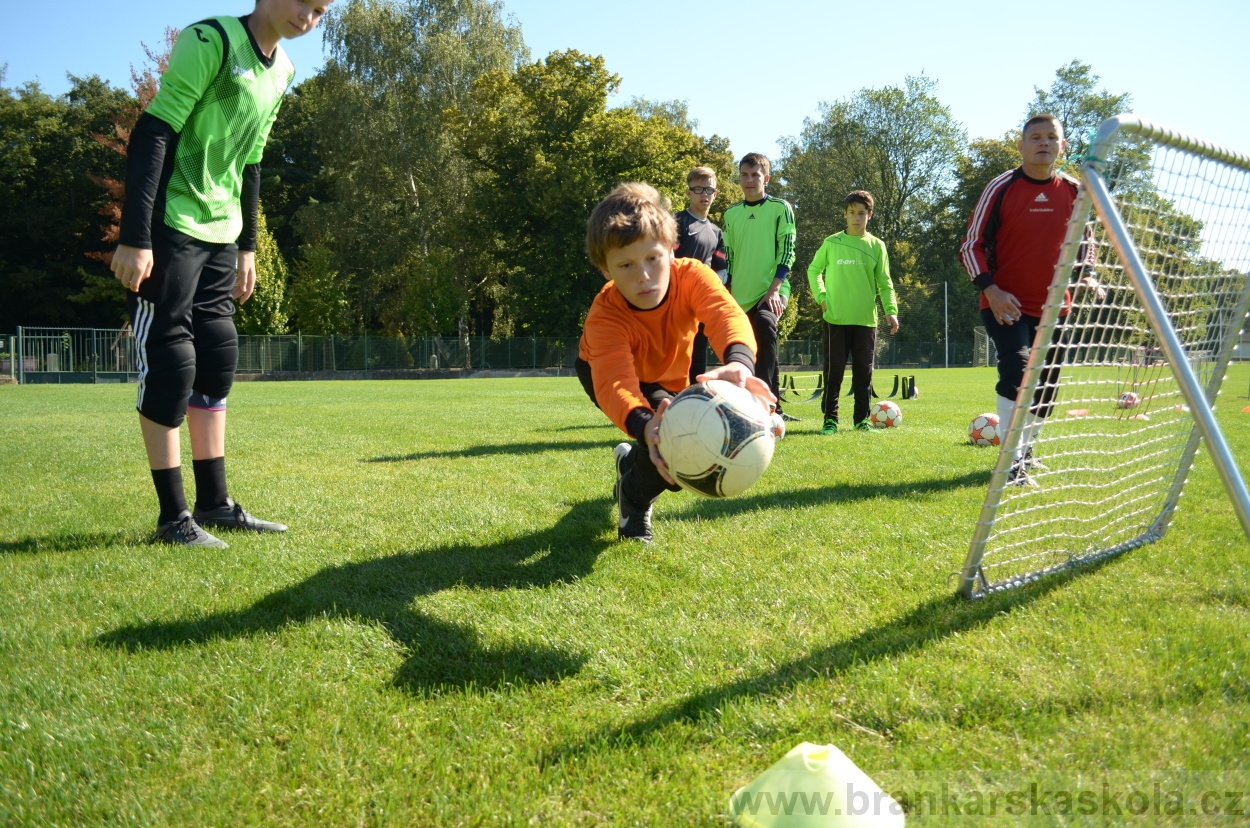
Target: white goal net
[(983, 353), (1118, 392)]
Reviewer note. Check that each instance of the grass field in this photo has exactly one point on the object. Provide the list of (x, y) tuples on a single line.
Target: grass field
[(451, 635)]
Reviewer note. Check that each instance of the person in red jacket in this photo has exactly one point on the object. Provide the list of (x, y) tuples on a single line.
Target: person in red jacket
[(1010, 252), (634, 354)]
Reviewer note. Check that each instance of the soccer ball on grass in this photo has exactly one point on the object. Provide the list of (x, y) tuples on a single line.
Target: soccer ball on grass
[(984, 430), (1129, 399), (716, 438), (885, 414)]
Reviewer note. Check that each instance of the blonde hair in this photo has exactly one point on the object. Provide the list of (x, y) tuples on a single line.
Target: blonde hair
[(700, 174), (630, 212)]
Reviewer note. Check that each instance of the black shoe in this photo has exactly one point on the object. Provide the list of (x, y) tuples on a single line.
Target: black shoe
[(790, 418), (1018, 475), (1030, 462), (232, 516), (186, 532), (635, 523)]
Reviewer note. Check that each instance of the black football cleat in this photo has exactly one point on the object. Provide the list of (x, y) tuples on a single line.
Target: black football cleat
[(231, 516), (186, 532), (635, 523)]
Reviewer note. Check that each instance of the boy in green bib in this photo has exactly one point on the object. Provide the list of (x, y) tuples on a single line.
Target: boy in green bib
[(850, 270), (759, 237), (187, 246)]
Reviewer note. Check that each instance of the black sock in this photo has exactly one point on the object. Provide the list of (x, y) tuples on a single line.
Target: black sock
[(169, 493), (210, 483)]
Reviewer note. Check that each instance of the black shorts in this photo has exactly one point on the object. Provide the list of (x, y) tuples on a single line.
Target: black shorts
[(183, 322)]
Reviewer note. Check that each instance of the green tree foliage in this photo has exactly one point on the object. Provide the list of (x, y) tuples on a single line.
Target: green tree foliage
[(983, 160), (50, 203), (899, 143), (547, 149), (1075, 101), (265, 312), (1080, 107), (319, 296), (396, 181), (292, 169), (716, 153), (100, 288)]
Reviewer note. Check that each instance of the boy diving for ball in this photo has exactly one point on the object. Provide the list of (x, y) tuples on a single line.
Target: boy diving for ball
[(635, 350)]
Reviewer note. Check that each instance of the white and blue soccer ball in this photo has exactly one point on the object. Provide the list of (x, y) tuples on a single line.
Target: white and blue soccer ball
[(716, 438)]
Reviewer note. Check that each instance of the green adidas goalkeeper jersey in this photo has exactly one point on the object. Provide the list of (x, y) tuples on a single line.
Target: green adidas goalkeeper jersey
[(759, 238), (221, 95)]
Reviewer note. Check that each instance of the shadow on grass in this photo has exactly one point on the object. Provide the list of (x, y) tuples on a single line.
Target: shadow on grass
[(441, 654), (704, 508), (72, 542), (489, 450), (928, 623)]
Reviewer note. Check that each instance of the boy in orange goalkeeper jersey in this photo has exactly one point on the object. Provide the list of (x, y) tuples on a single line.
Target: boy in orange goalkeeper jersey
[(635, 350)]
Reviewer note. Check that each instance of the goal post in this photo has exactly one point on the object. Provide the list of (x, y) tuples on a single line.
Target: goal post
[(1120, 390)]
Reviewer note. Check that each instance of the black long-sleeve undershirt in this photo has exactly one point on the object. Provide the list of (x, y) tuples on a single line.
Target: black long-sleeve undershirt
[(149, 163), (251, 206)]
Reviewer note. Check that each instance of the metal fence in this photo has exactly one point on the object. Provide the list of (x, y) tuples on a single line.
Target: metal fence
[(269, 354), (75, 355), (69, 355)]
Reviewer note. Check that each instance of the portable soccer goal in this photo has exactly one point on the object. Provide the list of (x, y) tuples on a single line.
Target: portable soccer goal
[(983, 353), (1119, 391)]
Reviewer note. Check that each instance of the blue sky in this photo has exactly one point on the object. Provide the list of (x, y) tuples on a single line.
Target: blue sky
[(754, 79)]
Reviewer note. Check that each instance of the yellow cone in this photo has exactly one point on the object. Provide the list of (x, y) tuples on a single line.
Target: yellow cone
[(814, 786)]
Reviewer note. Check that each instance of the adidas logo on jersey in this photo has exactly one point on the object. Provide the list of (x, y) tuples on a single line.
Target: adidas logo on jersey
[(1041, 197)]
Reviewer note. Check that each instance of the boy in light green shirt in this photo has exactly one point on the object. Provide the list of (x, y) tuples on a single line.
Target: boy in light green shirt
[(759, 246), (187, 247), (850, 270)]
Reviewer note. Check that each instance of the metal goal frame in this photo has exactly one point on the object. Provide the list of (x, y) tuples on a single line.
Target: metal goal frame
[(1096, 195)]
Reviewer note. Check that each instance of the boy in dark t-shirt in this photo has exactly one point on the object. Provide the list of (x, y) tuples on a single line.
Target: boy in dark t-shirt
[(698, 238), (634, 355), (187, 246)]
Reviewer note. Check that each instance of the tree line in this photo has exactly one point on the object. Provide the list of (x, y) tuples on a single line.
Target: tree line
[(433, 178)]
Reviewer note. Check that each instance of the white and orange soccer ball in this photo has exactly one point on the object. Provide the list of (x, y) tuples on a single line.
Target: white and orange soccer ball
[(778, 425), (717, 439), (984, 430), (1129, 399), (885, 414)]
